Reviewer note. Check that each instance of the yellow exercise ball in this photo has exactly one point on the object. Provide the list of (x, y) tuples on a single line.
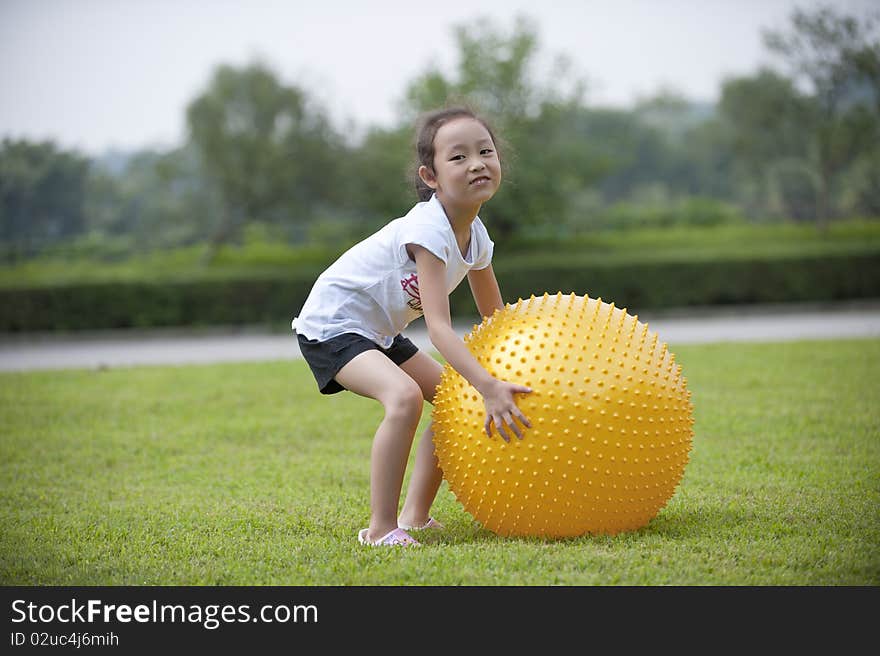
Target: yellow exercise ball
[(612, 421)]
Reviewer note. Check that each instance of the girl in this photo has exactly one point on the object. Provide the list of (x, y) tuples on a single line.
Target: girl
[(349, 329)]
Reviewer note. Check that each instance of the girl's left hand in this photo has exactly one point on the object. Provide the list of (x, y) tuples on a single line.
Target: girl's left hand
[(501, 409)]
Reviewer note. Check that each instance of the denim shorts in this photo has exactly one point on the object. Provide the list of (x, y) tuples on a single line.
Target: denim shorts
[(326, 358)]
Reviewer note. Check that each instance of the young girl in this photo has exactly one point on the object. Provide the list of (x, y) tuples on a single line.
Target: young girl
[(349, 329)]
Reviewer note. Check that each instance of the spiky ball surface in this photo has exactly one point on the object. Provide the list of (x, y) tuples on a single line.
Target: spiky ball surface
[(611, 421)]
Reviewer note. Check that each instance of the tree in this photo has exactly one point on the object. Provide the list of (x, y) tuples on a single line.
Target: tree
[(769, 123), (837, 59), (42, 191), (664, 145), (268, 150), (380, 175), (152, 200), (543, 160), (495, 74)]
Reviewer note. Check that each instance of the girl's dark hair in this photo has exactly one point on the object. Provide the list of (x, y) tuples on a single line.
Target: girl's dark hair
[(428, 125)]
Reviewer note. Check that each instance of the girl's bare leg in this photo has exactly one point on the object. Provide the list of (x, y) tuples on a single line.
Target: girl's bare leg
[(373, 375), (426, 476)]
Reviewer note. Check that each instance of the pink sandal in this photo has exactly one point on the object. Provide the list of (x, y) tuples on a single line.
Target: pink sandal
[(431, 523), (396, 538)]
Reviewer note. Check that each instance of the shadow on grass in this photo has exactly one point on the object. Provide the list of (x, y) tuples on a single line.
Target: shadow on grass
[(681, 524)]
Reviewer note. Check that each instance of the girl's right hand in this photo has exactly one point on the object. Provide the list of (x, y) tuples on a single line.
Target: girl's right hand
[(501, 409)]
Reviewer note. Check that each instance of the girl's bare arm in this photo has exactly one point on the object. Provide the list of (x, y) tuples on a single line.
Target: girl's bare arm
[(498, 395)]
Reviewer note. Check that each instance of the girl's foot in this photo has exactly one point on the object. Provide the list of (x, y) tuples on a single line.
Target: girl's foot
[(431, 523), (396, 538)]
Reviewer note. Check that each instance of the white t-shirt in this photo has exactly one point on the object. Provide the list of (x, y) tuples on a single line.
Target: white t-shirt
[(373, 289)]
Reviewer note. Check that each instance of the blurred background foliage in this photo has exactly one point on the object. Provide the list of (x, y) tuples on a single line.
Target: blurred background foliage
[(263, 168)]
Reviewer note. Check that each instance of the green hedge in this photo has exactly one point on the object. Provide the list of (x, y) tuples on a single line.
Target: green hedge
[(152, 304), (274, 300), (662, 284)]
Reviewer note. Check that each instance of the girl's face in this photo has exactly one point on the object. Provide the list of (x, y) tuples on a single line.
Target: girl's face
[(467, 170)]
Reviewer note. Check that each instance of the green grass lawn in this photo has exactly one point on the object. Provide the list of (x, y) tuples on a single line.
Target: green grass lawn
[(242, 474)]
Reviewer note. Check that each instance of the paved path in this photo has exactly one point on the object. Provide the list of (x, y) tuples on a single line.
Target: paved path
[(129, 348)]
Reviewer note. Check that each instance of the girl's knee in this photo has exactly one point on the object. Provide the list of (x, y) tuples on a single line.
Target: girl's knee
[(405, 401)]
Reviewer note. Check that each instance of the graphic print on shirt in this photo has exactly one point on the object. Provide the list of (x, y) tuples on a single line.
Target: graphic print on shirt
[(411, 288)]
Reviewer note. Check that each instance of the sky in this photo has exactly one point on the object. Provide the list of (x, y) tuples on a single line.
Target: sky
[(95, 75)]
